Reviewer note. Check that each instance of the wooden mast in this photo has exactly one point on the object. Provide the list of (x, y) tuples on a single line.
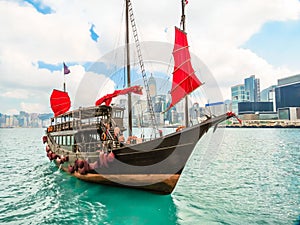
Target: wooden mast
[(128, 70), (186, 103)]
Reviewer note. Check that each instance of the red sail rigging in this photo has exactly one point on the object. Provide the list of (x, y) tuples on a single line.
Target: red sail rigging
[(60, 102), (108, 98), (184, 79)]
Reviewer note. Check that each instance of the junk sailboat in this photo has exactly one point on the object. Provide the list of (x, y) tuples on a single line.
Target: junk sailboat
[(87, 142)]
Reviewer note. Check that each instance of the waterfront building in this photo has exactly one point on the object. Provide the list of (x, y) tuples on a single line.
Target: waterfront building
[(289, 113), (237, 95), (255, 107), (252, 89), (268, 95), (247, 92), (287, 92)]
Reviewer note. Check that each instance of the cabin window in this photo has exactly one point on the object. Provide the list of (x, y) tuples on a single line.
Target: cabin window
[(68, 140), (94, 137), (72, 140), (63, 140), (118, 114)]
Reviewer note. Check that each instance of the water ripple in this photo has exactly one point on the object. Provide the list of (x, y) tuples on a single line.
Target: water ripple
[(251, 177)]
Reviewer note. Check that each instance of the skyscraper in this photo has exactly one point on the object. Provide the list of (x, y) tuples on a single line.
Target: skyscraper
[(152, 86), (252, 89)]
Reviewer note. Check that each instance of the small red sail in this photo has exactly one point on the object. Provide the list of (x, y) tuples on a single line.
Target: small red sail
[(184, 79), (108, 98), (60, 102)]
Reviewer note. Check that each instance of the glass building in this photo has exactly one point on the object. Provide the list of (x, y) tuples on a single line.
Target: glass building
[(287, 92), (254, 107), (237, 95), (252, 89), (268, 94)]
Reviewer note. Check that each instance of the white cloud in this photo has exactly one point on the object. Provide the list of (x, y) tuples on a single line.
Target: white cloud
[(216, 31), (91, 87), (18, 94), (33, 107)]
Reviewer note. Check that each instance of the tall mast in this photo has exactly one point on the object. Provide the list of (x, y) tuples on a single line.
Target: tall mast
[(183, 15), (128, 70), (186, 103)]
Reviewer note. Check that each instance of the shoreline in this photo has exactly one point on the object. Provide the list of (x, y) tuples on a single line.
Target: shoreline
[(264, 124), (260, 126)]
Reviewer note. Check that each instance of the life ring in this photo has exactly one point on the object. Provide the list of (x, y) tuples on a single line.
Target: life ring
[(179, 128), (103, 137), (50, 129)]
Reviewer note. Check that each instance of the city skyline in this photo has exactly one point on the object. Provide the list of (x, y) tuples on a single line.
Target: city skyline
[(234, 39), (26, 120)]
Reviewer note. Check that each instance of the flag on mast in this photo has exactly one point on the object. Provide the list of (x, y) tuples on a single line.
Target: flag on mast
[(66, 69)]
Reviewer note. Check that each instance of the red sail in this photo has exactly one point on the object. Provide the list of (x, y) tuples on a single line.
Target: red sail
[(60, 102), (108, 98), (184, 79)]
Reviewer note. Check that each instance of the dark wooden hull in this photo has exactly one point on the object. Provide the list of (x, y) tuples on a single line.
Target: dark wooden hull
[(154, 165)]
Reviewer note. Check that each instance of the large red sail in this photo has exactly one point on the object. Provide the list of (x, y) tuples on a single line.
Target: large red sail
[(108, 98), (184, 79), (60, 102)]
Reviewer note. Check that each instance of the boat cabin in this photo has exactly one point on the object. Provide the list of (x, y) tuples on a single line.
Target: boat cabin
[(85, 129)]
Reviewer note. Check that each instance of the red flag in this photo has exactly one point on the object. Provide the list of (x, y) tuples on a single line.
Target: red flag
[(108, 98), (186, 2), (66, 69)]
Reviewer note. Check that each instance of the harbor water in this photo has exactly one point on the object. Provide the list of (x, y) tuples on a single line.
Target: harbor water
[(235, 176)]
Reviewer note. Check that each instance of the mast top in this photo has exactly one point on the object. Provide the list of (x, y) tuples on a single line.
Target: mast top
[(182, 22)]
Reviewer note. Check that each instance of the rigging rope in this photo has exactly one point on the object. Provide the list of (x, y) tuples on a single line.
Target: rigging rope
[(140, 57)]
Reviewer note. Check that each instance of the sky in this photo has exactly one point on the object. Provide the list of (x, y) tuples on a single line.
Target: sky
[(234, 39)]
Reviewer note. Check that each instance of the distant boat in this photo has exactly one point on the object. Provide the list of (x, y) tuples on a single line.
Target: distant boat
[(86, 142)]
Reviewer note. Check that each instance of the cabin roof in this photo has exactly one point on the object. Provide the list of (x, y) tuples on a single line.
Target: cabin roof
[(88, 112)]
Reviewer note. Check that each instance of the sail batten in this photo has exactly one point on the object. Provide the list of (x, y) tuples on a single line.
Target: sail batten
[(185, 80), (60, 102)]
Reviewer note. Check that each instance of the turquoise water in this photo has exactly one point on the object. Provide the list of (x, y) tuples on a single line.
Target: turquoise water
[(240, 176)]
